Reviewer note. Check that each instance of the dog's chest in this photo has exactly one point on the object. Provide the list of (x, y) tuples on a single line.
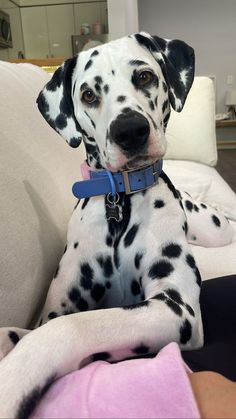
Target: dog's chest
[(120, 253)]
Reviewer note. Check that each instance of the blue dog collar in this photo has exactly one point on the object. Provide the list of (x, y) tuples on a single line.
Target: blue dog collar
[(129, 181)]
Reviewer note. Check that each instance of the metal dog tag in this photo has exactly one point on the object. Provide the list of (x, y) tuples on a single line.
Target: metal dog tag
[(113, 210)]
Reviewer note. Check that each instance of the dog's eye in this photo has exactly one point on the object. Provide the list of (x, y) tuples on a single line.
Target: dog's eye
[(145, 77), (89, 97)]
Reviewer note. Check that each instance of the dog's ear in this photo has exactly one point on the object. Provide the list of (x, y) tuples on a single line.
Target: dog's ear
[(56, 105), (177, 60)]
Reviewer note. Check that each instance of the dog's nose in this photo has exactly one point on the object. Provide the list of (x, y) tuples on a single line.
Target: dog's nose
[(130, 131)]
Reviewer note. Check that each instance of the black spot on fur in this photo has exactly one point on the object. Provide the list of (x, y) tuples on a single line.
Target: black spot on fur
[(13, 336), (216, 220), (29, 402), (159, 203), (153, 122), (97, 292), (146, 93), (190, 310), (82, 304), (86, 279), (101, 356), (198, 276), (166, 119), (109, 240), (76, 245), (151, 105), (174, 307), (141, 349), (203, 206), (185, 227), (56, 81), (98, 88), (85, 202), (86, 283), (106, 88), (138, 305), (106, 265), (121, 99), (137, 63), (88, 65), (52, 315), (160, 270), (74, 294), (169, 184), (130, 235), (94, 53), (165, 88), (135, 287), (61, 121), (117, 230), (189, 205), (172, 250), (98, 79), (185, 332), (190, 261), (165, 106), (195, 207), (174, 295), (116, 258), (137, 260), (84, 86), (161, 297)]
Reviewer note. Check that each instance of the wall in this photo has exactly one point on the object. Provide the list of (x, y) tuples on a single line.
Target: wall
[(207, 25), (122, 17)]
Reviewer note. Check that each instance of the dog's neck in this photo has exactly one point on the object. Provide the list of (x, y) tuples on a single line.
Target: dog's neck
[(103, 182)]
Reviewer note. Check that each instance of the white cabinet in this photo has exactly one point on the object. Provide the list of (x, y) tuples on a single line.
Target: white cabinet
[(35, 32), (47, 31), (60, 21)]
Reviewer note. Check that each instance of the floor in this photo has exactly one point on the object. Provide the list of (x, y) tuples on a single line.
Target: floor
[(226, 166)]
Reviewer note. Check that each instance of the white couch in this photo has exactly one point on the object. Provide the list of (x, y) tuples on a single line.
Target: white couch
[(37, 170)]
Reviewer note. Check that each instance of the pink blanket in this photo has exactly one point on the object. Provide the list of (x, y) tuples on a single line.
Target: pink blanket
[(140, 388)]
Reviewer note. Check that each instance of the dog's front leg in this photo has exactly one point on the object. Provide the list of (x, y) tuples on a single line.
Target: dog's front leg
[(63, 344)]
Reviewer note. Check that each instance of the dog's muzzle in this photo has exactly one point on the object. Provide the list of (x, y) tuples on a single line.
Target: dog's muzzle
[(130, 131)]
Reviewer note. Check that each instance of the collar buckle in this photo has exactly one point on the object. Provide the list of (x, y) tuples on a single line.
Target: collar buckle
[(128, 191)]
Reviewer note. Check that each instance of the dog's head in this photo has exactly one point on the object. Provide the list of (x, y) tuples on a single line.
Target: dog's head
[(117, 98)]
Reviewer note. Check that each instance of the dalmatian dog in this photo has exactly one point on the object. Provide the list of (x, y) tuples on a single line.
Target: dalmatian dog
[(127, 283)]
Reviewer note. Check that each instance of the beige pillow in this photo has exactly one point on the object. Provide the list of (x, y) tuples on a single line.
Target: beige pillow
[(191, 133)]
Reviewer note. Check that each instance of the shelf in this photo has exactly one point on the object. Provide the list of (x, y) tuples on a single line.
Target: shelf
[(226, 123)]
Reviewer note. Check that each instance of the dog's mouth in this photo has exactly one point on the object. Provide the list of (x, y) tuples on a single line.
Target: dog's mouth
[(138, 162)]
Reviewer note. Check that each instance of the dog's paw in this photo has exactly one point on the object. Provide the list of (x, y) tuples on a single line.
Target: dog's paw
[(9, 337)]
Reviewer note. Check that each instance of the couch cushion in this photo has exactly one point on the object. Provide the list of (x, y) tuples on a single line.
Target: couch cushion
[(206, 185), (191, 133), (37, 170)]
